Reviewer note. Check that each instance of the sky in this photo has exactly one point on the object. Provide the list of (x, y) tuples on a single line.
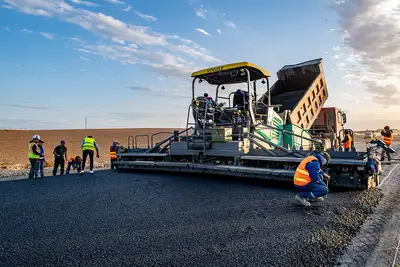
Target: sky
[(127, 63)]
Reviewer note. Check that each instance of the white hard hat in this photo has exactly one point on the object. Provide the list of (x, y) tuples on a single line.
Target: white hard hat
[(36, 137)]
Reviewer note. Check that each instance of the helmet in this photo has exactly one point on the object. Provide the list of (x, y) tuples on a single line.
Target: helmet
[(36, 137), (323, 158)]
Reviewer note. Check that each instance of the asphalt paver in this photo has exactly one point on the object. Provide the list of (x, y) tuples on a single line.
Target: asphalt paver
[(135, 219)]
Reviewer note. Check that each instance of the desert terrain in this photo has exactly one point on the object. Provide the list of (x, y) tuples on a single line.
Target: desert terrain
[(14, 143)]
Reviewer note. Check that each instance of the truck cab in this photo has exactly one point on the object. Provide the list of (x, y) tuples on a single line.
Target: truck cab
[(330, 123)]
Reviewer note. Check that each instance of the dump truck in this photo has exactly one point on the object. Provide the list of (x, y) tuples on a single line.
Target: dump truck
[(251, 137)]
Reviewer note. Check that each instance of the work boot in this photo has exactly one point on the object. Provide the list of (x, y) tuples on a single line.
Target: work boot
[(317, 199), (302, 200)]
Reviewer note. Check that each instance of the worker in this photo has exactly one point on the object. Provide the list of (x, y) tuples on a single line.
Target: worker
[(76, 163), (347, 141), (210, 100), (387, 134), (34, 155), (115, 148), (41, 158), (60, 157), (88, 146), (309, 177)]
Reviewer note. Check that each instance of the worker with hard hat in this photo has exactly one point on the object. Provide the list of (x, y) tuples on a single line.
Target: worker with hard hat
[(347, 141), (34, 155), (309, 177), (115, 149), (88, 147), (387, 134)]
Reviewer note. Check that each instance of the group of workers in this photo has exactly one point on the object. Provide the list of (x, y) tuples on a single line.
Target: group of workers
[(36, 156), (310, 179)]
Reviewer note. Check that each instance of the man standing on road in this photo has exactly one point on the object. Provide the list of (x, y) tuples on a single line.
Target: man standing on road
[(88, 146), (387, 134), (309, 176), (34, 155), (60, 157), (347, 141), (41, 159)]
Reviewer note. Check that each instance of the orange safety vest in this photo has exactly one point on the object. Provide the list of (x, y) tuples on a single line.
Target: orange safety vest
[(388, 140), (72, 159), (348, 143), (301, 176)]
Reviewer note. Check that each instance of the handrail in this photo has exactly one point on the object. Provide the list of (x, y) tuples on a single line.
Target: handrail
[(166, 140), (129, 142), (152, 136), (310, 130), (275, 145), (142, 135)]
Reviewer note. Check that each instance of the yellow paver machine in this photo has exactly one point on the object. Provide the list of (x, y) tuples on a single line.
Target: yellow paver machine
[(249, 129)]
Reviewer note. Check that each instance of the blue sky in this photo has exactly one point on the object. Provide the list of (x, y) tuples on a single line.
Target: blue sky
[(128, 63)]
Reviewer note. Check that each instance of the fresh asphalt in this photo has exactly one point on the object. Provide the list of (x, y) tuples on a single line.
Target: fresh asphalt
[(136, 219)]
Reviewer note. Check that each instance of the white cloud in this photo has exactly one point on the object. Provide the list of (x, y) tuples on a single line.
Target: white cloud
[(6, 28), (115, 1), (26, 31), (230, 24), (84, 58), (47, 35), (77, 40), (129, 8), (371, 34), (85, 3), (146, 17), (121, 41), (200, 12), (202, 31), (346, 96), (7, 6), (219, 31)]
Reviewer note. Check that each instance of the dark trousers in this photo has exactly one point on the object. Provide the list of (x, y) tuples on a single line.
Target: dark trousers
[(76, 166), (41, 167), (112, 163), (346, 149), (313, 190), (58, 162), (33, 173), (387, 153), (84, 156)]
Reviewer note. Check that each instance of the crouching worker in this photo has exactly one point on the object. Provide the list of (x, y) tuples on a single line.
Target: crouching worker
[(75, 163), (309, 177)]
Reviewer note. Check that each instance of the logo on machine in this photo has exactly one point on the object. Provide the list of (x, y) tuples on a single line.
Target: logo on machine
[(215, 69)]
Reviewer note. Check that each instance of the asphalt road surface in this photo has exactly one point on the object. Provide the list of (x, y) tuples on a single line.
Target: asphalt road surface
[(133, 219)]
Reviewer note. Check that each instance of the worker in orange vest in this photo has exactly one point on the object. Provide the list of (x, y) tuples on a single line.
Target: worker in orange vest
[(75, 163), (115, 149), (387, 134), (309, 177), (347, 141)]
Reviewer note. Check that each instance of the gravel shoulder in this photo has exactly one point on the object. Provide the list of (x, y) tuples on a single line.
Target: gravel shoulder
[(133, 219)]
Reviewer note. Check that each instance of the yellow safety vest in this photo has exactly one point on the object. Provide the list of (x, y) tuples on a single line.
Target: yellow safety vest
[(88, 144), (32, 155)]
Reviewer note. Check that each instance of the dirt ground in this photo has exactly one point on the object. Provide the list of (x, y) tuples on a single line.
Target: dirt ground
[(14, 143)]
